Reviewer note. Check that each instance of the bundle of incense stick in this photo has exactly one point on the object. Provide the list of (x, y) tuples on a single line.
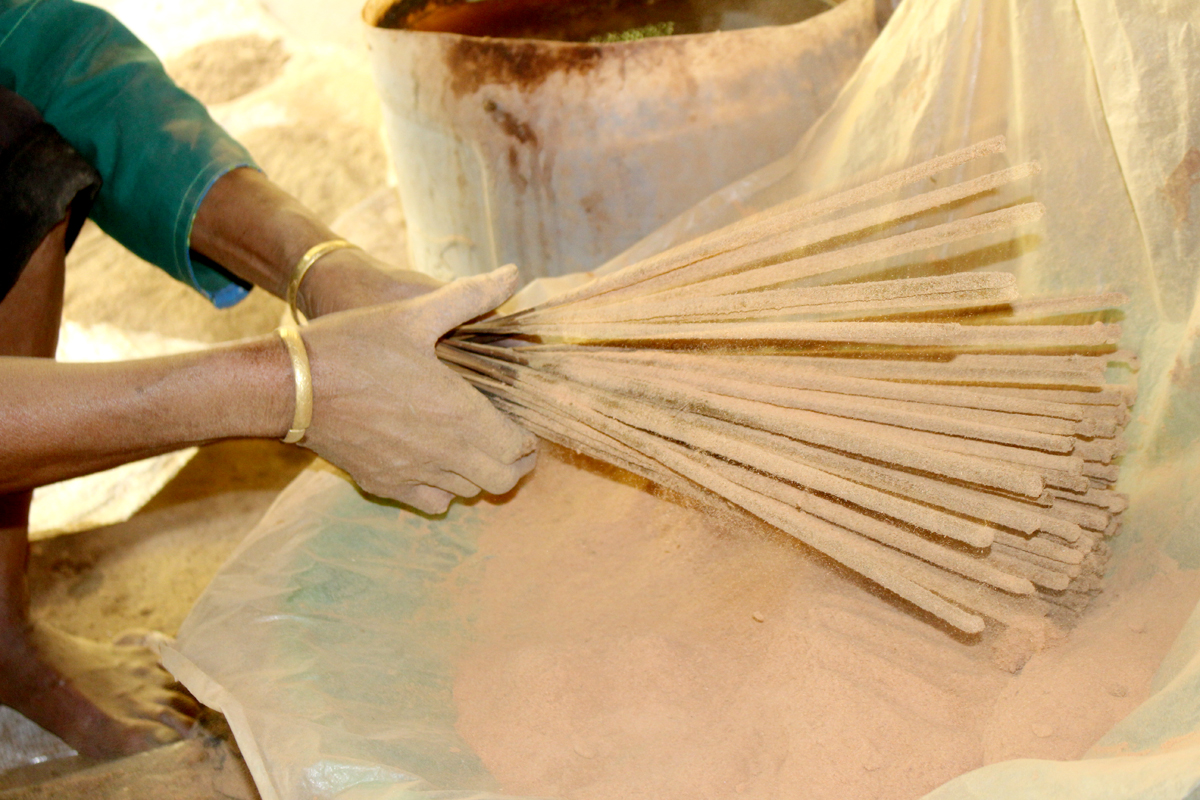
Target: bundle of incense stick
[(939, 435)]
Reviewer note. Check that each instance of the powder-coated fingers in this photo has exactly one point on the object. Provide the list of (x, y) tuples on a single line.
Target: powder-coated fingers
[(465, 299), (506, 442), (403, 424), (492, 476), (426, 499), (455, 484)]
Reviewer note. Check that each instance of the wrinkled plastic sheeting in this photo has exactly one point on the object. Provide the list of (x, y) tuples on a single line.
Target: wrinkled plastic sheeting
[(327, 639), (1102, 93)]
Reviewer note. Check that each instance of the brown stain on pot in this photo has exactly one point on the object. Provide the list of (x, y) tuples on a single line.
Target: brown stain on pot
[(510, 124), (475, 63)]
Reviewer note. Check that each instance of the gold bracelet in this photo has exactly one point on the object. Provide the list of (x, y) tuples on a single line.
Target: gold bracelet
[(307, 260), (302, 417)]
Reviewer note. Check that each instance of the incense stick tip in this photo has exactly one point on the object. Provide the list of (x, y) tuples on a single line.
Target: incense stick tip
[(1030, 212)]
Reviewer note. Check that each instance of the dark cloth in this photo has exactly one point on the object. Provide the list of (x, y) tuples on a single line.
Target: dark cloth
[(42, 181), (156, 147)]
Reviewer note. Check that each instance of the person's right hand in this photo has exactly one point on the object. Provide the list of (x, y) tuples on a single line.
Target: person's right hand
[(400, 422)]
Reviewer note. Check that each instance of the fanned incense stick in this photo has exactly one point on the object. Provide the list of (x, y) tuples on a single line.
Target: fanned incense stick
[(780, 218), (945, 438), (773, 246), (874, 299)]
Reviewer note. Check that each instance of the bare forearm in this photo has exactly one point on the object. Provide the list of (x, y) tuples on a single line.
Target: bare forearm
[(258, 231), (255, 229), (58, 421)]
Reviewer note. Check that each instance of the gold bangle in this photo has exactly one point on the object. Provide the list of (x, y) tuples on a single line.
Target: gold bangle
[(307, 260), (302, 417)]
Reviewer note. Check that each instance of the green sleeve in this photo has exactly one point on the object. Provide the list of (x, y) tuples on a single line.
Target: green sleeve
[(155, 146)]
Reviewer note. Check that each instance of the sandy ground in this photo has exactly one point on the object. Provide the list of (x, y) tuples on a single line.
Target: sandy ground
[(146, 573)]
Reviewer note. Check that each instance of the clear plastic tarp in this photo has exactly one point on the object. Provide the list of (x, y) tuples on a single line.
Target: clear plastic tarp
[(330, 637)]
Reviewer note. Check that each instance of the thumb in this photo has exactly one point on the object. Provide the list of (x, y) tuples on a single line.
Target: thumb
[(467, 298)]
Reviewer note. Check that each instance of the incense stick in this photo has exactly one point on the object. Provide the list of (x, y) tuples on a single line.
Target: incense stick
[(931, 432)]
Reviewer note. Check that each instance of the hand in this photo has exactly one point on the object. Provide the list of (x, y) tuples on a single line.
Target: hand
[(398, 420), (352, 278)]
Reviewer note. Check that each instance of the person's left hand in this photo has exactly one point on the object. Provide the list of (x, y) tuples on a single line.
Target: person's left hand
[(352, 278)]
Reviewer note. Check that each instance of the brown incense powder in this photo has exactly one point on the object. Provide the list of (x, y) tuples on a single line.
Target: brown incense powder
[(626, 646)]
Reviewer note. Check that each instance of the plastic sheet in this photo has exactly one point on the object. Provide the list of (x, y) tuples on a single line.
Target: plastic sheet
[(327, 637)]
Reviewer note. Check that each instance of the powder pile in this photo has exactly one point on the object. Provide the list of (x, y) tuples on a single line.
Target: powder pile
[(627, 646)]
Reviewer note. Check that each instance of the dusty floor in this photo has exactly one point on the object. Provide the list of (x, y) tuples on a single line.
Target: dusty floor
[(147, 573)]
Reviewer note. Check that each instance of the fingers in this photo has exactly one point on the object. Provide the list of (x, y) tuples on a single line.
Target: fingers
[(496, 435), (492, 476), (428, 499), (141, 637), (468, 298), (434, 497), (456, 485), (401, 423), (524, 465), (472, 473)]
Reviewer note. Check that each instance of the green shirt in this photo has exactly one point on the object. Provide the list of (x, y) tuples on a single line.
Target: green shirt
[(154, 145)]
